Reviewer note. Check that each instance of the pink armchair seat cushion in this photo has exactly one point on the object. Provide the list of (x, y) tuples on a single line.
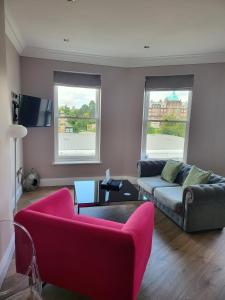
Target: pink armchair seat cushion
[(101, 259)]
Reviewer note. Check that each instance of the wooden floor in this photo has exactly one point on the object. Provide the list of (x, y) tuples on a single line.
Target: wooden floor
[(182, 266)]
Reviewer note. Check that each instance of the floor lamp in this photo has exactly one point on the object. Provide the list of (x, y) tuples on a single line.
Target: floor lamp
[(16, 132)]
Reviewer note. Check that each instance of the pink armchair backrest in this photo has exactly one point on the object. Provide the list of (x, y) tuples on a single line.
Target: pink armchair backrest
[(101, 259), (58, 204)]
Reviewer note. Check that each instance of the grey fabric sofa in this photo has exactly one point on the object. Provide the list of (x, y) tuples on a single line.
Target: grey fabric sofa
[(195, 208)]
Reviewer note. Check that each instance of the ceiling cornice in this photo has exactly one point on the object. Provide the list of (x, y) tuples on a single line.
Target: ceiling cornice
[(12, 33), (74, 56), (125, 62)]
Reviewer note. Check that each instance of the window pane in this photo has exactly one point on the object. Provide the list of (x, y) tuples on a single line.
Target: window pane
[(76, 137), (165, 140), (168, 105), (77, 101), (166, 119)]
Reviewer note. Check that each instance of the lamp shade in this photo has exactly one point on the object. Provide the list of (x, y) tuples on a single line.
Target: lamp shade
[(17, 131)]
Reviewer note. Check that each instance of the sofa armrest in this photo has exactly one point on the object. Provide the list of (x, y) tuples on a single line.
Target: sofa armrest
[(148, 168), (71, 254), (204, 207)]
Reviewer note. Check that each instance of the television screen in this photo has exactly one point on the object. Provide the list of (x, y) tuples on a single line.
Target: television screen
[(34, 112)]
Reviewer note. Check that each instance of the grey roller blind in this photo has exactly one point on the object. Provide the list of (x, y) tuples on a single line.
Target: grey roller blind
[(77, 79), (169, 82)]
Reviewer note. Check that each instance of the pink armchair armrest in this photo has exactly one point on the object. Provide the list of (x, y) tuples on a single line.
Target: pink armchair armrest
[(140, 225)]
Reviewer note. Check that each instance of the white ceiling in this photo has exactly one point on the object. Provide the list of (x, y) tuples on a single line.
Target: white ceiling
[(114, 32)]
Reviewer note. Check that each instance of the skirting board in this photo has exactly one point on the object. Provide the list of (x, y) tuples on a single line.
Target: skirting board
[(6, 260), (19, 192), (70, 181)]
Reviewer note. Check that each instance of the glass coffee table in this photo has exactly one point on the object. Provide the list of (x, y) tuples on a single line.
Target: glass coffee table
[(89, 193)]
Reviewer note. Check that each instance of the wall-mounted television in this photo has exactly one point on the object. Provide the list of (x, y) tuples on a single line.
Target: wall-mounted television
[(34, 112)]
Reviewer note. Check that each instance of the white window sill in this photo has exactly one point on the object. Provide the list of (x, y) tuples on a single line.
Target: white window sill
[(79, 162)]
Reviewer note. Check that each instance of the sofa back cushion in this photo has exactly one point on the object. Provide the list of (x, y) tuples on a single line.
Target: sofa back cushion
[(184, 171), (214, 178), (196, 176), (171, 169), (182, 174)]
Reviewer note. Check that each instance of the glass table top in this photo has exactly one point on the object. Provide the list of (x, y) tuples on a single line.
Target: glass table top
[(90, 191)]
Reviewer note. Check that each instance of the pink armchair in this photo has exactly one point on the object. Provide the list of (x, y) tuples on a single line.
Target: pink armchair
[(101, 259)]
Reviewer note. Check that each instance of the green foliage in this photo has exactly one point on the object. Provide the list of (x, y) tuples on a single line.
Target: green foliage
[(177, 129), (173, 128), (75, 117), (152, 130)]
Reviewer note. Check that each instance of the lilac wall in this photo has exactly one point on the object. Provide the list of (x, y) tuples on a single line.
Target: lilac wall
[(5, 176), (206, 147), (117, 114), (122, 100), (13, 67), (13, 80)]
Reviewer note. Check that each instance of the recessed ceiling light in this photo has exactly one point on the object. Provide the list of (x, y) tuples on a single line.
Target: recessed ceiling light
[(66, 40), (146, 46), (71, 0)]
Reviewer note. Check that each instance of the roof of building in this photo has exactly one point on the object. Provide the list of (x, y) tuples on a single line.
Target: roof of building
[(173, 97)]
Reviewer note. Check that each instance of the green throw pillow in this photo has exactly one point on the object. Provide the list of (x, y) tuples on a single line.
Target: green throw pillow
[(171, 169), (196, 176)]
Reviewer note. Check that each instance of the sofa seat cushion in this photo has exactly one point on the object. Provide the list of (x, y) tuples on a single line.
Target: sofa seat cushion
[(150, 183), (170, 197)]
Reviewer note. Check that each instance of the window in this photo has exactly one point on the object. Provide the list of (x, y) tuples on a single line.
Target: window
[(166, 117), (77, 118)]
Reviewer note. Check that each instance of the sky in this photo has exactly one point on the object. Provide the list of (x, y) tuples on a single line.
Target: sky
[(155, 96), (76, 97)]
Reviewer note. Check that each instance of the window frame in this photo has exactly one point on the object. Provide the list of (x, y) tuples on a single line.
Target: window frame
[(145, 121), (77, 159)]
